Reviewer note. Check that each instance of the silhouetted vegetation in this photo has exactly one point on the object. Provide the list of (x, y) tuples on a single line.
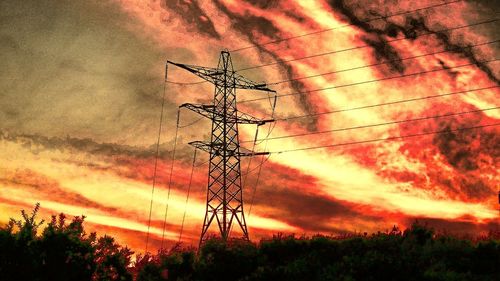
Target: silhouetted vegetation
[(63, 251)]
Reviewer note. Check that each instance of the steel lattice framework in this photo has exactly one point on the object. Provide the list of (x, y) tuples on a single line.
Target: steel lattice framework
[(224, 193)]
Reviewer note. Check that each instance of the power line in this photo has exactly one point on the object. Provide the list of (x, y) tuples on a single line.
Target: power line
[(363, 46), (381, 124), (244, 181), (187, 196), (374, 80), (385, 103), (345, 25), (350, 49), (186, 83), (345, 50), (375, 64), (384, 139), (258, 165), (264, 159), (170, 178), (254, 191), (156, 156), (191, 123)]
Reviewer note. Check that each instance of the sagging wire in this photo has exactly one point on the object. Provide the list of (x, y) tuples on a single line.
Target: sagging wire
[(186, 83), (271, 128), (192, 123), (256, 167), (245, 175), (251, 157), (272, 104), (187, 196), (177, 127), (264, 159), (157, 154), (170, 178)]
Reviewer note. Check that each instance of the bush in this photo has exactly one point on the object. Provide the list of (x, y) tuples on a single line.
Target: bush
[(63, 251)]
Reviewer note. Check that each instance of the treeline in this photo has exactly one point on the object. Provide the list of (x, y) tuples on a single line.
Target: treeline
[(64, 251)]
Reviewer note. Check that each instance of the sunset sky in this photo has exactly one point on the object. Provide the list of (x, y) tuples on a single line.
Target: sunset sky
[(81, 85)]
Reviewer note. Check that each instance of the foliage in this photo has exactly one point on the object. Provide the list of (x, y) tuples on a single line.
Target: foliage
[(112, 261), (63, 251), (176, 264), (232, 260)]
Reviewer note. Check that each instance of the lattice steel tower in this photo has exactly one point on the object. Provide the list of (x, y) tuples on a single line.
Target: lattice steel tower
[(224, 194)]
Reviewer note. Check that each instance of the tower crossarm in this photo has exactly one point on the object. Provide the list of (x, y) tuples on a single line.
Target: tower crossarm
[(217, 77), (248, 152), (211, 112), (207, 73), (206, 110), (241, 82), (217, 149), (244, 118), (205, 146)]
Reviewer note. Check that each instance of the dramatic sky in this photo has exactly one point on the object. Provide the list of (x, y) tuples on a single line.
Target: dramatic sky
[(81, 86)]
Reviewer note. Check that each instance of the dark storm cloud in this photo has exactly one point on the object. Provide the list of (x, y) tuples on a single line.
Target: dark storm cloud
[(271, 4), (463, 148), (461, 48), (476, 189), (465, 151), (383, 50), (264, 4), (471, 156), (465, 186), (74, 68), (453, 74), (248, 25), (487, 8), (38, 143), (416, 24), (193, 15)]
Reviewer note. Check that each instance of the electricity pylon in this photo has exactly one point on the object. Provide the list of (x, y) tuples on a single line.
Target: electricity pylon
[(224, 194)]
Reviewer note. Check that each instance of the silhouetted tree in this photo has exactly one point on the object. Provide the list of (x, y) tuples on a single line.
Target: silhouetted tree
[(112, 261), (63, 251), (231, 260), (18, 260), (175, 264)]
